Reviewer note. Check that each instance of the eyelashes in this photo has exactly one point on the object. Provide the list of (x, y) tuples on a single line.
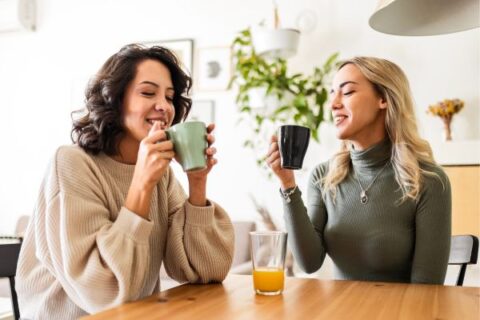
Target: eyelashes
[(151, 94)]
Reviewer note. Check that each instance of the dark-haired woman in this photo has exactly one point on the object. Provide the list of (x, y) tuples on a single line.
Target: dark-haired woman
[(110, 210)]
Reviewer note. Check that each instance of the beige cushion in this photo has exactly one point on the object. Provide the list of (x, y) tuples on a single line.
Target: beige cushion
[(242, 241)]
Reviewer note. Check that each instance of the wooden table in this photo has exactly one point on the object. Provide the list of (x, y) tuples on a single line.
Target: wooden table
[(304, 299)]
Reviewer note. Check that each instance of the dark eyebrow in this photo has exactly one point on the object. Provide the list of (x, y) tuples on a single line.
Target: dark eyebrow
[(149, 82), (343, 84)]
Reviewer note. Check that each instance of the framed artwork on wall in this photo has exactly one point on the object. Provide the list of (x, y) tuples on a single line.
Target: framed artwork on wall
[(182, 48), (214, 68), (202, 110)]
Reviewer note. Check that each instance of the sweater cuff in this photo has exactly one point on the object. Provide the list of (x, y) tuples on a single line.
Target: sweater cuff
[(200, 216), (133, 225), (295, 196)]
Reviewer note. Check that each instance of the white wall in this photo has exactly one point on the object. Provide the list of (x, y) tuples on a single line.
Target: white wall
[(41, 74)]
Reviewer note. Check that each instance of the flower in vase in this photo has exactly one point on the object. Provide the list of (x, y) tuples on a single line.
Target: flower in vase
[(445, 110)]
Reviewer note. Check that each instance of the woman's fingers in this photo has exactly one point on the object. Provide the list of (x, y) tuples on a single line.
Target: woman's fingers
[(163, 146), (273, 147), (211, 151), (273, 161), (274, 156), (210, 127), (210, 139), (155, 136)]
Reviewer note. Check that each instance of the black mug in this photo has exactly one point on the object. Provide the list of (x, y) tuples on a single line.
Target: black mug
[(293, 143)]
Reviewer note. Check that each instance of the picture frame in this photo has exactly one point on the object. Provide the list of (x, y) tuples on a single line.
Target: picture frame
[(202, 110), (214, 68), (182, 48)]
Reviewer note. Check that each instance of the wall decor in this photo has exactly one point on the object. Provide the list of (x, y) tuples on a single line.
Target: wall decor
[(202, 110), (214, 68), (182, 48)]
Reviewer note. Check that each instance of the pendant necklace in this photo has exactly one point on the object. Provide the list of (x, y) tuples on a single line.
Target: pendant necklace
[(363, 194)]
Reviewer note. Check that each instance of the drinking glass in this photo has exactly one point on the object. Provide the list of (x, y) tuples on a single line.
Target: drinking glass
[(268, 257)]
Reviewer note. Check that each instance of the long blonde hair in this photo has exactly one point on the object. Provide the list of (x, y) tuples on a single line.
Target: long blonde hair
[(408, 149)]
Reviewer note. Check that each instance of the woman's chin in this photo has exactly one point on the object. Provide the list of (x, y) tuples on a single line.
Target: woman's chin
[(341, 134)]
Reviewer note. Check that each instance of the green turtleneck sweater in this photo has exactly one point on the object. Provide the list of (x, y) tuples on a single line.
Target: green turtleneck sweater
[(381, 240)]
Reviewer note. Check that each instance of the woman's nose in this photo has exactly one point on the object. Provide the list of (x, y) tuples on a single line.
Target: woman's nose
[(336, 102), (162, 105)]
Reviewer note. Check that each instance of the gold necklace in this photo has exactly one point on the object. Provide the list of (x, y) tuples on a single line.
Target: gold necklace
[(363, 194)]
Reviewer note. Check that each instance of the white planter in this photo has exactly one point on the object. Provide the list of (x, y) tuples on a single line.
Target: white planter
[(275, 43)]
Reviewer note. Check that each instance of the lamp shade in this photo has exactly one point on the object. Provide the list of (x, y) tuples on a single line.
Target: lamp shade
[(425, 17), (275, 43)]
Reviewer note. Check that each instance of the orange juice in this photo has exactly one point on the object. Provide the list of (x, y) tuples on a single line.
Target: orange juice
[(268, 279)]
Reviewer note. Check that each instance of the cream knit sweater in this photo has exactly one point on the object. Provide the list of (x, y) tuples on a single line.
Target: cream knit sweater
[(84, 252)]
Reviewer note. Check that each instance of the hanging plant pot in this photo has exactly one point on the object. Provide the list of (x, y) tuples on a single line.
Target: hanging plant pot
[(275, 43)]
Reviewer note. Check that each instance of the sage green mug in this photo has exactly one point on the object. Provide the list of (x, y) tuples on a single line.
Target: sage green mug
[(189, 142)]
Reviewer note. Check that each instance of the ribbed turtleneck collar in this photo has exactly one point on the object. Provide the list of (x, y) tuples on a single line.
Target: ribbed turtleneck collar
[(373, 157)]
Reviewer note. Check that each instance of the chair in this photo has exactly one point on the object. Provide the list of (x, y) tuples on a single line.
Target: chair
[(9, 252), (463, 251), (242, 263)]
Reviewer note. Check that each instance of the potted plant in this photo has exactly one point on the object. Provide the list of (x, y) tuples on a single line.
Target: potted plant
[(301, 98)]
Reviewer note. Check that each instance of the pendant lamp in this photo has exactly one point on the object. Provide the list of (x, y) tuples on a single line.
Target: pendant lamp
[(425, 17)]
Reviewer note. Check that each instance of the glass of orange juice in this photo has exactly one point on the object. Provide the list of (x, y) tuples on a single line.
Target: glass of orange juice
[(268, 257)]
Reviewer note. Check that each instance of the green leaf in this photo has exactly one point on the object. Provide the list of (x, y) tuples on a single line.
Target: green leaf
[(300, 102), (331, 60), (322, 97), (259, 119), (280, 110)]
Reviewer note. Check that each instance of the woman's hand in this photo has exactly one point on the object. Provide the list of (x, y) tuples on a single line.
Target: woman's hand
[(286, 176), (154, 155), (197, 180)]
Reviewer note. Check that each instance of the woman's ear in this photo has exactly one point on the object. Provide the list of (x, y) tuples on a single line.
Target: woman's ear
[(383, 103)]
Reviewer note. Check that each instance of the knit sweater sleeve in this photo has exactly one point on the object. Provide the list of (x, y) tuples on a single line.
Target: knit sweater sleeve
[(200, 240), (99, 262), (433, 230), (305, 227)]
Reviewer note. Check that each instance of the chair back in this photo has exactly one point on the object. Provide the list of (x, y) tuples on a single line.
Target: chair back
[(242, 241), (463, 251), (21, 226), (9, 252)]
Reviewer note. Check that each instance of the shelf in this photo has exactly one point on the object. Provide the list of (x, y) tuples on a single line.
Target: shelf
[(453, 153)]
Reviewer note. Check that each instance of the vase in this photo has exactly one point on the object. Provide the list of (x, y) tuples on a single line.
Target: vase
[(447, 131)]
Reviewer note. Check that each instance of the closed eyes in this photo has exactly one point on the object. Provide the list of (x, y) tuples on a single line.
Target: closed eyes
[(151, 94)]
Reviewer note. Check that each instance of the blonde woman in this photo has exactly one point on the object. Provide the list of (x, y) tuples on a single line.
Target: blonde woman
[(381, 207)]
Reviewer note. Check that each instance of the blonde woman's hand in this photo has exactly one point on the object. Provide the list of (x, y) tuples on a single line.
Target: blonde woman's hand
[(286, 176)]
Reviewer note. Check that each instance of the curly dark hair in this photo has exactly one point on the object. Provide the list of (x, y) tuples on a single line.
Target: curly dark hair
[(100, 129)]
